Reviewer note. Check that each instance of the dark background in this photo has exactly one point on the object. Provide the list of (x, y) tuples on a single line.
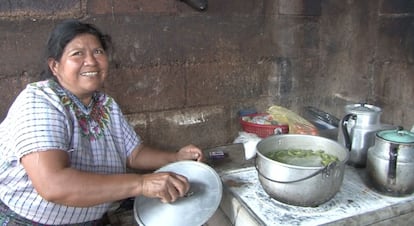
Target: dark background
[(181, 75)]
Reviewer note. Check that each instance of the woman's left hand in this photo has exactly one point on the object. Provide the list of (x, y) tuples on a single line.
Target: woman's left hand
[(190, 152)]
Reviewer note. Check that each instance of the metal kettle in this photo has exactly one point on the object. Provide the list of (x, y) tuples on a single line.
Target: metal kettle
[(357, 131), (390, 162)]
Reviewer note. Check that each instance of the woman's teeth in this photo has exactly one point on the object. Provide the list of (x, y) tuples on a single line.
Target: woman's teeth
[(89, 74)]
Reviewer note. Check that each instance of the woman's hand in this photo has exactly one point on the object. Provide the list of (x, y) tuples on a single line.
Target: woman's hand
[(166, 186), (190, 152)]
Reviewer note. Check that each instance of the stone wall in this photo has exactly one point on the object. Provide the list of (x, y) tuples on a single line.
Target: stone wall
[(181, 75), (367, 56)]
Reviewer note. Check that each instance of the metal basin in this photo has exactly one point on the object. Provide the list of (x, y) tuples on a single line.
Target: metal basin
[(299, 185)]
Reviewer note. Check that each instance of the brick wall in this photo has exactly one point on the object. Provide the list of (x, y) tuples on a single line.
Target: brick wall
[(181, 75)]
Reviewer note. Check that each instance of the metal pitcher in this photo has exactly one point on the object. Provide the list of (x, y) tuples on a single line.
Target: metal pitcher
[(390, 162), (357, 131)]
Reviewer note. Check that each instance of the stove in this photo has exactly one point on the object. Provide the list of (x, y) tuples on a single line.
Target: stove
[(355, 203)]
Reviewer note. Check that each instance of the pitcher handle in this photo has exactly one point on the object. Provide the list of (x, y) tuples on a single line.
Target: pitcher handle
[(344, 123)]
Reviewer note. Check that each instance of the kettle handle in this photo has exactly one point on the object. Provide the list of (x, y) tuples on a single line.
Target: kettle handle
[(344, 123), (392, 164)]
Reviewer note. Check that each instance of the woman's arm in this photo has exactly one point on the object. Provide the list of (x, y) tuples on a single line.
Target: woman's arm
[(56, 181), (147, 158)]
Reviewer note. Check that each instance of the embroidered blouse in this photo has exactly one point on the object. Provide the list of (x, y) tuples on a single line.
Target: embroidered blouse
[(45, 116)]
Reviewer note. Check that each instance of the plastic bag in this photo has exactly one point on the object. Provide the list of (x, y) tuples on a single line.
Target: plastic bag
[(297, 124), (249, 141)]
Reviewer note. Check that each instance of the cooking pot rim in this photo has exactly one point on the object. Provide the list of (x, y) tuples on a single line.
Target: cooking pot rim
[(280, 136), (290, 165)]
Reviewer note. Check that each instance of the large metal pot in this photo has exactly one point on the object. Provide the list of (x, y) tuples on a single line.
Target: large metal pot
[(390, 162), (299, 185)]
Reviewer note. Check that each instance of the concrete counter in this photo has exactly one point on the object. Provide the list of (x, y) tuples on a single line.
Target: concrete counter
[(244, 201)]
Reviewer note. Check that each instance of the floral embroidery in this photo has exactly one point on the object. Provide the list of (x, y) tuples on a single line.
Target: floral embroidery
[(92, 124), (92, 119)]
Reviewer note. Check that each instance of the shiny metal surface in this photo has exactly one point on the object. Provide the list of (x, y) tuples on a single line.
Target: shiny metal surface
[(195, 209), (318, 187), (390, 166), (354, 204), (321, 119), (357, 131)]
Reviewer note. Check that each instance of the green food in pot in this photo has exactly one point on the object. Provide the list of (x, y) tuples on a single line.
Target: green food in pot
[(302, 157)]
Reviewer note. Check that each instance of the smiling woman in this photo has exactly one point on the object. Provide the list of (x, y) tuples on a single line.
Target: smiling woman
[(65, 146), (82, 68)]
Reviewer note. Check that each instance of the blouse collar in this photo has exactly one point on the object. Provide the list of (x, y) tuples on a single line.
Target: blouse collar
[(84, 108)]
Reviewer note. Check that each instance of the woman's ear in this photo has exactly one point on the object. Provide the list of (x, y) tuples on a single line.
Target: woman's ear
[(53, 65)]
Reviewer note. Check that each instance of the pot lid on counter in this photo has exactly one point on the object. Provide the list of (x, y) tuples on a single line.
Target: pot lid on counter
[(320, 118), (398, 136), (196, 208)]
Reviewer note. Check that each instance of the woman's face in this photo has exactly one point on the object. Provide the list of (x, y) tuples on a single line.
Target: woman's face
[(83, 66)]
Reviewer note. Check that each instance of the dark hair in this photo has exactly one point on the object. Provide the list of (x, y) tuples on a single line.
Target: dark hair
[(63, 33)]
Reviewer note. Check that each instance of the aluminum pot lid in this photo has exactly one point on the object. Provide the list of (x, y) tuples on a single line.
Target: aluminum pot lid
[(397, 136), (363, 109), (194, 210), (315, 115)]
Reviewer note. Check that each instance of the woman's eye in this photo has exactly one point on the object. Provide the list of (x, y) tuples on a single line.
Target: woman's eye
[(99, 51), (77, 53)]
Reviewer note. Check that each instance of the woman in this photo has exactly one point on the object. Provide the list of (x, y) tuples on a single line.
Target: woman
[(65, 146)]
